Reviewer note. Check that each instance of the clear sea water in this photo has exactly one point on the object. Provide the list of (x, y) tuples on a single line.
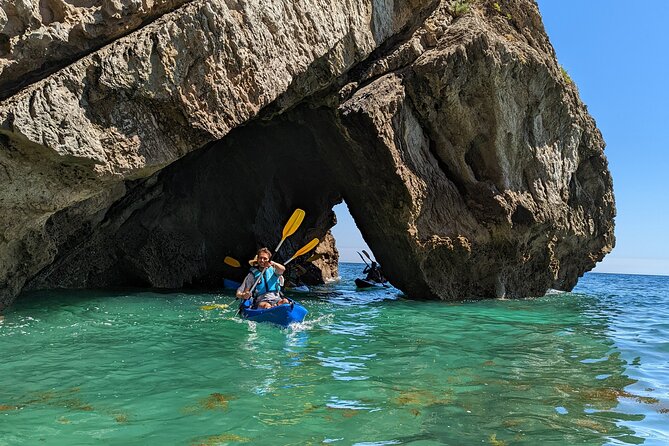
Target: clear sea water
[(366, 368)]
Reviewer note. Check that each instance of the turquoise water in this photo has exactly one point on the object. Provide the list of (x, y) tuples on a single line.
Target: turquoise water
[(366, 368)]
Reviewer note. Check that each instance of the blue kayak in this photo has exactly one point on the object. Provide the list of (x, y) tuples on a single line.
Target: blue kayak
[(283, 315)]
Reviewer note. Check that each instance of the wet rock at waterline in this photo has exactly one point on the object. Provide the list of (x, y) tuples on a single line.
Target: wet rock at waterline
[(465, 155)]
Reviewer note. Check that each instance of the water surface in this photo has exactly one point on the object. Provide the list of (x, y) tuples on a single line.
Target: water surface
[(366, 368)]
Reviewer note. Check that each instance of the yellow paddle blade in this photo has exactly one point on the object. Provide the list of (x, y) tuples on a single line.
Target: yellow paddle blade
[(293, 223), (214, 306), (232, 262), (306, 248), (314, 257)]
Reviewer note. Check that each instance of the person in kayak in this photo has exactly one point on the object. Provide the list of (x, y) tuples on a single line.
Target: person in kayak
[(374, 273), (267, 292)]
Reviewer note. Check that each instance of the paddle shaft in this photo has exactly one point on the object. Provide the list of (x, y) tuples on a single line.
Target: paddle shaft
[(368, 256), (279, 245), (255, 284)]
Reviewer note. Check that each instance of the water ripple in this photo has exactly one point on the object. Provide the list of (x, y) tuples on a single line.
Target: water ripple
[(364, 368)]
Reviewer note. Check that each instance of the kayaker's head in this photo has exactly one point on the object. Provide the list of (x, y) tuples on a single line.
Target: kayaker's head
[(264, 255)]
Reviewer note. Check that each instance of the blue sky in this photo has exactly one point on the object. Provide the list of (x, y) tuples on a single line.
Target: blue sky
[(617, 54)]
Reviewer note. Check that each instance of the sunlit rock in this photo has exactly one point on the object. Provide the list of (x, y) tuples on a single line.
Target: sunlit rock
[(187, 132)]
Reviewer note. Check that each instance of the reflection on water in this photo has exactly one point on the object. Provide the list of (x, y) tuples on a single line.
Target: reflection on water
[(366, 367)]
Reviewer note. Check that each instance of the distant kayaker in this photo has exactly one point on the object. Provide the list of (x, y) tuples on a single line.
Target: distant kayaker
[(374, 273), (267, 292)]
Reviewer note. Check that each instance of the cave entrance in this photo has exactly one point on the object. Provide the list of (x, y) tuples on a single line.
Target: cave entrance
[(349, 240), (227, 199)]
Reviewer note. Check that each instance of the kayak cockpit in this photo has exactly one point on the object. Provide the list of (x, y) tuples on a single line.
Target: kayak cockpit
[(283, 315)]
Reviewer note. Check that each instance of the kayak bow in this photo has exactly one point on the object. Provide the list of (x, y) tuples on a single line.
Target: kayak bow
[(283, 315), (362, 283)]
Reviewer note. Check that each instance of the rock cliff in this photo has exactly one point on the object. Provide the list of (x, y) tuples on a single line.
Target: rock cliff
[(141, 142)]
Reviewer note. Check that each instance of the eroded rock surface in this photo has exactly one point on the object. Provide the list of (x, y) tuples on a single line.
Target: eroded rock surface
[(466, 158), (39, 37), (136, 105), (471, 167)]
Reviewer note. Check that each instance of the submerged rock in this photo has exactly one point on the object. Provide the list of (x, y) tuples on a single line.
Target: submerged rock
[(466, 158)]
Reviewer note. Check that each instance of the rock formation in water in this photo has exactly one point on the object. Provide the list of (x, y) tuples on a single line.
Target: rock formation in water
[(142, 142)]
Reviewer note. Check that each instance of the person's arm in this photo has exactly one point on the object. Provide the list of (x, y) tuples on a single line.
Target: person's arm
[(243, 291), (278, 268)]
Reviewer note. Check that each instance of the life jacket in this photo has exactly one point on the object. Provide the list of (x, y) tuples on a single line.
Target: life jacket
[(268, 283)]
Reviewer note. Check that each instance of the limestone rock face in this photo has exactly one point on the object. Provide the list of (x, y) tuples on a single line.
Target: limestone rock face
[(38, 37), (145, 100), (467, 160), (473, 169)]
